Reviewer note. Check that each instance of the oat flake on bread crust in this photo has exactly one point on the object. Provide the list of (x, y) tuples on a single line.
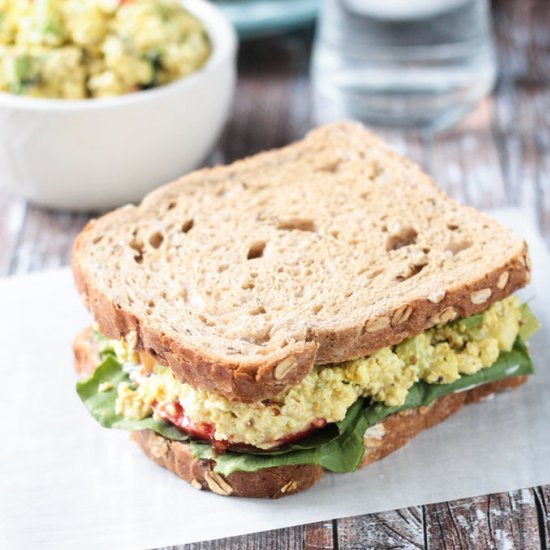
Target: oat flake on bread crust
[(242, 277)]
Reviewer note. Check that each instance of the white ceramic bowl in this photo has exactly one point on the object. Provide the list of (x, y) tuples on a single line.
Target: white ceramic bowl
[(95, 154)]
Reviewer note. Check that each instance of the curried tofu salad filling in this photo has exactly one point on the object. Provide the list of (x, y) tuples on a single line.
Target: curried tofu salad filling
[(135, 392), (77, 49)]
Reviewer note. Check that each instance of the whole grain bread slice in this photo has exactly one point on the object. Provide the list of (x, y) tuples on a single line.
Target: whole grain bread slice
[(241, 277), (380, 440)]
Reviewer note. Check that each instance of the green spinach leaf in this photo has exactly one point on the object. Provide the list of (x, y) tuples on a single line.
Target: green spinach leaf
[(101, 404)]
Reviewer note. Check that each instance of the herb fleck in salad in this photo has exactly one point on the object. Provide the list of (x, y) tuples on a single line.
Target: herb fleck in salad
[(76, 49)]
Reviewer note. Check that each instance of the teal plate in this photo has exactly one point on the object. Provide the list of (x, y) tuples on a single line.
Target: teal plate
[(262, 18)]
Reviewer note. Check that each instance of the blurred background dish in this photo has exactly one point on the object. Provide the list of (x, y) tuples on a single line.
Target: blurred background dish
[(95, 154), (261, 18)]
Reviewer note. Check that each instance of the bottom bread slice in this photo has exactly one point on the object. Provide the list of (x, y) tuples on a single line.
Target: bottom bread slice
[(380, 440)]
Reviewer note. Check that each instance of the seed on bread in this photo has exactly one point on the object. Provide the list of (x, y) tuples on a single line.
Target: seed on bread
[(480, 296), (132, 339), (527, 261), (217, 484), (195, 483), (401, 315), (377, 324), (290, 487), (448, 314), (374, 436), (503, 280), (159, 447), (437, 296), (284, 368)]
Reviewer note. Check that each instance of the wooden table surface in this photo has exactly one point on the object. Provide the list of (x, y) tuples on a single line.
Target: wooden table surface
[(499, 156)]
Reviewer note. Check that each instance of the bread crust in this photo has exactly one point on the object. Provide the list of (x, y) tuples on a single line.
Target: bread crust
[(257, 377), (380, 440), (276, 482)]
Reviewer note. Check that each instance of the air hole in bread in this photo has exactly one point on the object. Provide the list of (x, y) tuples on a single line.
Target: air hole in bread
[(410, 271), (171, 205), (256, 250), (98, 239), (259, 310), (156, 239), (452, 226), (375, 273), (205, 321), (151, 303), (153, 353), (316, 309), (254, 274), (187, 226), (138, 246), (222, 268), (364, 196), (404, 237), (377, 170), (426, 250), (298, 224), (248, 285), (334, 233), (330, 167), (458, 246)]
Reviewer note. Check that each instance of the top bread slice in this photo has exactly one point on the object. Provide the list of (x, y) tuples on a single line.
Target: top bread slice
[(242, 277)]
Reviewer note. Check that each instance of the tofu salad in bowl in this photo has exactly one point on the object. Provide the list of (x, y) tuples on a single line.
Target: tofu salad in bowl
[(103, 100)]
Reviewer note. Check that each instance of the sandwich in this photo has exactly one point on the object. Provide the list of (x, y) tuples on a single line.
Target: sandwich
[(306, 310)]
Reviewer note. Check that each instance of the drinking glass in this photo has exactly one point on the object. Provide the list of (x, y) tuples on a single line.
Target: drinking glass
[(406, 63)]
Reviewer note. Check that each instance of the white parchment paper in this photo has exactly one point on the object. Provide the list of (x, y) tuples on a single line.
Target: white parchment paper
[(67, 483)]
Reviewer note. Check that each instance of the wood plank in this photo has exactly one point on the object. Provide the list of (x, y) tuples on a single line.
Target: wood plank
[(523, 105), (543, 506), (12, 220), (314, 536), (271, 104), (396, 529), (542, 145), (319, 536), (284, 539), (465, 161), (443, 164), (523, 41), (46, 240), (501, 521)]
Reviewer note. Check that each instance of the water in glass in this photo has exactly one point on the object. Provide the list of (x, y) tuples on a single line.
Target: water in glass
[(406, 63)]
